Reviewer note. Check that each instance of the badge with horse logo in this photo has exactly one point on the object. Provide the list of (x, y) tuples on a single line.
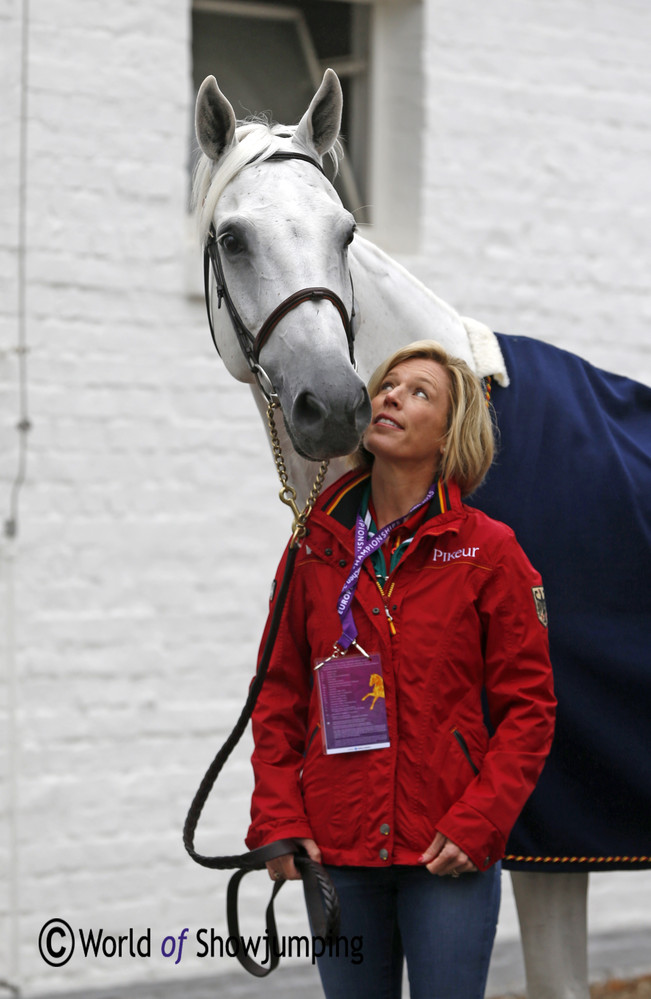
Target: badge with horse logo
[(541, 606), (376, 683), (353, 703)]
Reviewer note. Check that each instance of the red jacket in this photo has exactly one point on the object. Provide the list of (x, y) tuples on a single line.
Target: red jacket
[(469, 617)]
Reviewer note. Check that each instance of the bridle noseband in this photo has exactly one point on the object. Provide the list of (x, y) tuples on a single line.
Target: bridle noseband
[(251, 344)]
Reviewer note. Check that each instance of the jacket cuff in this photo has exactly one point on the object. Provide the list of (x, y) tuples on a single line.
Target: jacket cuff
[(474, 834), (264, 835)]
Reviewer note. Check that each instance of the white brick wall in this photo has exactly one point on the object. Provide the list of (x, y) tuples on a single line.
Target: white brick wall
[(538, 207), (131, 657), (133, 598)]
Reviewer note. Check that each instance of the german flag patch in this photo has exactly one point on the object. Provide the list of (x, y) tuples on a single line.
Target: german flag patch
[(541, 605)]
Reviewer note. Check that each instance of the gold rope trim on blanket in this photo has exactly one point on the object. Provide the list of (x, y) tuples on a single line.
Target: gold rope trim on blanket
[(577, 860)]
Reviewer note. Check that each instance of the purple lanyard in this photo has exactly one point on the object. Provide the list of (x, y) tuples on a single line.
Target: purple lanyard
[(365, 546)]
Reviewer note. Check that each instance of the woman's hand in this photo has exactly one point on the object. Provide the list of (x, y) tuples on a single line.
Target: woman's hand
[(284, 868), (443, 857)]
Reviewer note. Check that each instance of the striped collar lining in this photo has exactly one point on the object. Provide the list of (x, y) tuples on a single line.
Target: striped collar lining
[(344, 504)]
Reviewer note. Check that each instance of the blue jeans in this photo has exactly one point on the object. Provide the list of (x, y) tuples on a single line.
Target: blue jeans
[(443, 926)]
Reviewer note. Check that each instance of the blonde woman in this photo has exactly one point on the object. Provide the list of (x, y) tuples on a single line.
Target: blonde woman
[(400, 585)]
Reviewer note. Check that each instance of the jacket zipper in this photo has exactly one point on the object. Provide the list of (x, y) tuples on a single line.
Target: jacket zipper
[(386, 597), (385, 600), (464, 749)]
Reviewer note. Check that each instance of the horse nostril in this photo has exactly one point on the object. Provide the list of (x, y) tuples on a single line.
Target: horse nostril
[(308, 411)]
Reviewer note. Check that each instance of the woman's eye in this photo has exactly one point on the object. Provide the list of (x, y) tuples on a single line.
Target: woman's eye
[(422, 393)]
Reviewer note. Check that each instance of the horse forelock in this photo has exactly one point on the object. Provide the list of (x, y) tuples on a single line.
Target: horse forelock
[(255, 139)]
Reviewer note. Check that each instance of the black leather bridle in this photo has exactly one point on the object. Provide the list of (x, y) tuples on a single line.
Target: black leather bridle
[(251, 344)]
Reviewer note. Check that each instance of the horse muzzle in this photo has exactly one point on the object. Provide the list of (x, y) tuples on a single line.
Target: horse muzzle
[(327, 425)]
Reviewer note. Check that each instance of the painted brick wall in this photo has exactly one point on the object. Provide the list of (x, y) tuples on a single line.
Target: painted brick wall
[(537, 195), (132, 599), (134, 594)]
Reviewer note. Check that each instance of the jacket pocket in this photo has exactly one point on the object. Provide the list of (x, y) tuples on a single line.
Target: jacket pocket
[(464, 749), (311, 739)]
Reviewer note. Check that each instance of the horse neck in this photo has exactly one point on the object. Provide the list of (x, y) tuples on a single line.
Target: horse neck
[(395, 309)]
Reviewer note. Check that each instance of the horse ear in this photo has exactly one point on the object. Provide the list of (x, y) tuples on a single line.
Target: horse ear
[(214, 119), (319, 127)]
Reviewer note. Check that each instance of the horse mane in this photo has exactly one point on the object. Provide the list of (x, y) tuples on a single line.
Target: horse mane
[(255, 139)]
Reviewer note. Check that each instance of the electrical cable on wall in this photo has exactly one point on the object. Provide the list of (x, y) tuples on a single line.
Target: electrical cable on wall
[(23, 425), (10, 679)]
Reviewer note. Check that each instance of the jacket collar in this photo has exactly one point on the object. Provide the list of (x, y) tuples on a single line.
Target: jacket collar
[(342, 501)]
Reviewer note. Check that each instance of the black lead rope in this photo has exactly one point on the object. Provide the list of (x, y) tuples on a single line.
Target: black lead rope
[(320, 895)]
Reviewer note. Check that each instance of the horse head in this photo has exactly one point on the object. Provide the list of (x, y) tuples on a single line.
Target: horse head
[(278, 238)]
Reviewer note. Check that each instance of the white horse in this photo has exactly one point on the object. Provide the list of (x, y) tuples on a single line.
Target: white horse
[(280, 228)]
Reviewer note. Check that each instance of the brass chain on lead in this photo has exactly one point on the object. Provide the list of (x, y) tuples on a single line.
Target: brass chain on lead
[(287, 493)]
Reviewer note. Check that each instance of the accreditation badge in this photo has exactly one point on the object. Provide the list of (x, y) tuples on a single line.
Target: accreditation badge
[(353, 706)]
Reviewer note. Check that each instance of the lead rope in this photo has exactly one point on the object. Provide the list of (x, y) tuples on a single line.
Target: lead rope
[(320, 895)]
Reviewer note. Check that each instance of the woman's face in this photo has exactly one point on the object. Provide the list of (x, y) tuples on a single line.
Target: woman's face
[(410, 413)]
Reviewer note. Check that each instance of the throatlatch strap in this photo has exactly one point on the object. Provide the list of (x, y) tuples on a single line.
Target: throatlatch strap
[(251, 344)]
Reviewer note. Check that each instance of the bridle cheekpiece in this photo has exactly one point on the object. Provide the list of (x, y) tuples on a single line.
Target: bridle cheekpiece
[(251, 344)]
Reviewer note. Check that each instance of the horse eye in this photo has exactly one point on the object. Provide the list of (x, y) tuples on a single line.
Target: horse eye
[(350, 236), (231, 243)]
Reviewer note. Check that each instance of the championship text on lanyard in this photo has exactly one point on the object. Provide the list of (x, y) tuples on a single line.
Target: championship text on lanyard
[(365, 546)]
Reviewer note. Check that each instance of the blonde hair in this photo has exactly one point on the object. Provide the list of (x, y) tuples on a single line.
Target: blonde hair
[(470, 440)]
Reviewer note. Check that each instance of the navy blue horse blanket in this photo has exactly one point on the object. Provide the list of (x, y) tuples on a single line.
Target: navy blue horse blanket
[(573, 479)]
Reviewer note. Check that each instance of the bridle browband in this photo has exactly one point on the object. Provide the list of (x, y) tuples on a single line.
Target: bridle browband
[(251, 344)]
